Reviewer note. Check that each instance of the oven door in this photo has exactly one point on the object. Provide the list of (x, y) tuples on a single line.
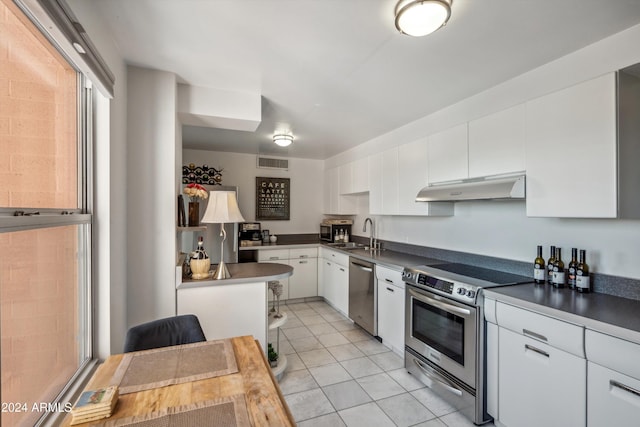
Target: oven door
[(442, 331)]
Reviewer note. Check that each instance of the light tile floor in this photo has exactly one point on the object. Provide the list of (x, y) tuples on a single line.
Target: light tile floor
[(338, 375)]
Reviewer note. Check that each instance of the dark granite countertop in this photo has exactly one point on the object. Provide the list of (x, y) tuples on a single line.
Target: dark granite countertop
[(249, 272), (391, 259), (604, 313)]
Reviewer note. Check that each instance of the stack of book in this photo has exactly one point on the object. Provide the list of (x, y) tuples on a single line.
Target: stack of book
[(94, 405)]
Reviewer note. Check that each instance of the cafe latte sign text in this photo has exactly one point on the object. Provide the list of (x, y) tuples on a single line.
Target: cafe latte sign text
[(272, 198)]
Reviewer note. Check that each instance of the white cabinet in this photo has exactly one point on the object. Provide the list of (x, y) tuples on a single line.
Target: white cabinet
[(360, 176), (304, 280), (541, 371), (571, 151), (354, 177), (374, 169), (539, 385), (335, 266), (496, 143), (334, 201), (449, 155), (613, 385), (391, 308), (395, 177), (390, 181)]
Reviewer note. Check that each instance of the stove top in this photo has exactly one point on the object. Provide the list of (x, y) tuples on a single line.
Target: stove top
[(461, 282)]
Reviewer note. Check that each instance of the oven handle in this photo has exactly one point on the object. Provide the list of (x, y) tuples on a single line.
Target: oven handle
[(437, 378), (440, 304)]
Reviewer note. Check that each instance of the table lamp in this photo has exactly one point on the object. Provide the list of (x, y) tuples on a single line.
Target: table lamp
[(221, 209)]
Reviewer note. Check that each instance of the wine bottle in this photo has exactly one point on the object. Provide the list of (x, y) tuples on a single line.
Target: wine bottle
[(582, 274), (558, 270), (552, 259), (573, 265), (200, 253), (539, 270)]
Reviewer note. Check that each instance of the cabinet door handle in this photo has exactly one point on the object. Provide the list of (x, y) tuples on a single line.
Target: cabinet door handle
[(389, 289), (614, 383), (303, 262), (328, 263), (537, 350), (342, 269), (273, 257), (534, 335), (303, 256)]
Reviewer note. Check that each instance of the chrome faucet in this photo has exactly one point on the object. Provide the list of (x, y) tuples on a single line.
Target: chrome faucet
[(364, 230)]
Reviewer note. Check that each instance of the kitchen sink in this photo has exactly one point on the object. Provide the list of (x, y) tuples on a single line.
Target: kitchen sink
[(346, 245)]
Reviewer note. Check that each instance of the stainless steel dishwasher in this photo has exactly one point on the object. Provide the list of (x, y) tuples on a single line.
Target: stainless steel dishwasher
[(363, 295)]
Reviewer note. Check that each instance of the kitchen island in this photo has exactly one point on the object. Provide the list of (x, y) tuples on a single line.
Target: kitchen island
[(231, 307)]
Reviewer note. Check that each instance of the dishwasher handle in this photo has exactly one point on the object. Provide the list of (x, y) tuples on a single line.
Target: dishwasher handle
[(362, 267)]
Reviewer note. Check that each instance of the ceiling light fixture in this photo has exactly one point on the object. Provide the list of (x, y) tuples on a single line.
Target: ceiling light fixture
[(421, 17), (283, 139)]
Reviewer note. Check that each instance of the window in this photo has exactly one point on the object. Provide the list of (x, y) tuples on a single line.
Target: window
[(44, 221)]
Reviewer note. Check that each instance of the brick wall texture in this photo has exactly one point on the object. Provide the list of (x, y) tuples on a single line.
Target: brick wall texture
[(39, 320)]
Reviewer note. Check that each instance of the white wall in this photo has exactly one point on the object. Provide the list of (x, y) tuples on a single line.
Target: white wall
[(502, 229), (151, 194), (240, 170)]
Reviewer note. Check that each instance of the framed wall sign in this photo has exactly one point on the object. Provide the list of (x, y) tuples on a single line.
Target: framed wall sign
[(272, 198)]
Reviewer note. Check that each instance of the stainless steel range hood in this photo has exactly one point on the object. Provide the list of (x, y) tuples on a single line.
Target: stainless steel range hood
[(477, 189)]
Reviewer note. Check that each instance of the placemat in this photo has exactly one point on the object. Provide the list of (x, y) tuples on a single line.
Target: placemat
[(223, 412), (144, 370)]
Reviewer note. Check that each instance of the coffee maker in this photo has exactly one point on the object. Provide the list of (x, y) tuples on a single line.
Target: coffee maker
[(249, 234)]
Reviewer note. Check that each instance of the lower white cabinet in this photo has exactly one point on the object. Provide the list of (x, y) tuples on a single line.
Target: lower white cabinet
[(539, 385), (335, 277), (391, 308), (613, 385), (613, 399), (304, 280)]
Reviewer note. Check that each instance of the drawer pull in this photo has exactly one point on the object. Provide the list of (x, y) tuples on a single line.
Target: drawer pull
[(342, 269), (389, 289), (303, 256), (303, 262), (614, 383), (273, 257), (534, 335), (537, 350), (388, 280)]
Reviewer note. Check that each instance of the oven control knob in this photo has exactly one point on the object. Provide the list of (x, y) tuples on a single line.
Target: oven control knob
[(471, 294), (462, 291)]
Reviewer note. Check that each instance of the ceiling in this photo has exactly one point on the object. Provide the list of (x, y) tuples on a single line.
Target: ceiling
[(336, 72)]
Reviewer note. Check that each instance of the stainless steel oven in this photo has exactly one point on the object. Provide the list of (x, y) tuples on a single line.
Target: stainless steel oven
[(445, 343), (443, 331)]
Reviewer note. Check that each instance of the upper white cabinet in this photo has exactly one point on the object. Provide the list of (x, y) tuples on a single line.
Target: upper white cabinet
[(496, 143), (374, 168), (360, 175), (346, 174), (571, 151), (390, 181), (335, 203), (448, 158), (413, 175), (395, 177)]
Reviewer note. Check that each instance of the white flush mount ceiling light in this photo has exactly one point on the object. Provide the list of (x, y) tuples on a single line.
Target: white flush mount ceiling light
[(421, 17), (283, 139)]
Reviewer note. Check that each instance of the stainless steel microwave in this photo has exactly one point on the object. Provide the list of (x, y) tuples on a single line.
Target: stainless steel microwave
[(328, 231)]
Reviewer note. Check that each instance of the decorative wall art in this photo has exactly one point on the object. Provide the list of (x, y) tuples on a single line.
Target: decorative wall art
[(272, 198), (204, 174)]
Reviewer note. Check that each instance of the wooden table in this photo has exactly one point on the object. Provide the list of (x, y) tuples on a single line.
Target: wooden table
[(265, 404)]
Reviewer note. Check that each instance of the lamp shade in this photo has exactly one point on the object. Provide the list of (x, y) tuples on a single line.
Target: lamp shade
[(222, 208), (421, 17)]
